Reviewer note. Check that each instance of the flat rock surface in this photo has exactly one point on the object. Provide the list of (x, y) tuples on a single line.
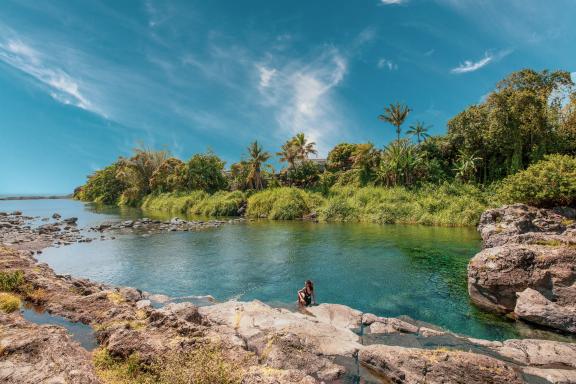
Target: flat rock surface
[(415, 366), (34, 354)]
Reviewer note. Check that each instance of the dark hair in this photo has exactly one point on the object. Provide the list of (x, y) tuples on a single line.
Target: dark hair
[(310, 283)]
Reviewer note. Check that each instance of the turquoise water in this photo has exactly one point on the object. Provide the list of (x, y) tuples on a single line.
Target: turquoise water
[(389, 270)]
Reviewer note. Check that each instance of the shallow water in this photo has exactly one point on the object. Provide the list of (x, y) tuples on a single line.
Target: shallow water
[(389, 270), (82, 333)]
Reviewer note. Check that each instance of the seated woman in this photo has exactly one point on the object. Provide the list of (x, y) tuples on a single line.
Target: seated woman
[(306, 296)]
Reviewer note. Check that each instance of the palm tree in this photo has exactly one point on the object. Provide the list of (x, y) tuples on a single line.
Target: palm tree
[(466, 165), (365, 159), (303, 146), (257, 156), (395, 114), (419, 130), (288, 153)]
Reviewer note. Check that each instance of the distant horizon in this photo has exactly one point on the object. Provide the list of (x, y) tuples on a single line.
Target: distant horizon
[(85, 82)]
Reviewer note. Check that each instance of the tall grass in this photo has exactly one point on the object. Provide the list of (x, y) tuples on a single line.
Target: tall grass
[(197, 203), (449, 204), (283, 203), (445, 205), (173, 202)]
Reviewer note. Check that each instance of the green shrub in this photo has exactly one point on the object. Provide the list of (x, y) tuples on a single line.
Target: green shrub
[(11, 281), (219, 204), (338, 209), (9, 302), (547, 183), (102, 186), (283, 203), (174, 202)]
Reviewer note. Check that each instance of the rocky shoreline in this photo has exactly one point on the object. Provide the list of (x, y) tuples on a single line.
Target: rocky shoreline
[(328, 343), (527, 268)]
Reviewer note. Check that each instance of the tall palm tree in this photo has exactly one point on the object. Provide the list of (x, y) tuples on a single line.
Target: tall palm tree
[(395, 114), (288, 153), (419, 130), (257, 156), (303, 146)]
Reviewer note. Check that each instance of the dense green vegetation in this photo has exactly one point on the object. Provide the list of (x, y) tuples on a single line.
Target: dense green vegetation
[(547, 183), (518, 145)]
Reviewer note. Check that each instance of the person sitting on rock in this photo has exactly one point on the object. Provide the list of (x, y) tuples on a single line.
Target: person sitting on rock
[(306, 296)]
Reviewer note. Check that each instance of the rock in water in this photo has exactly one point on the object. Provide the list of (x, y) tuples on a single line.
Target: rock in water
[(527, 266), (532, 306)]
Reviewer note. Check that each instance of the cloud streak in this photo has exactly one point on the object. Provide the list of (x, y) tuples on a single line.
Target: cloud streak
[(392, 2), (471, 66), (389, 64), (61, 86)]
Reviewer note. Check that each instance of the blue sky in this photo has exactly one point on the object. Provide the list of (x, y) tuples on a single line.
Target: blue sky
[(82, 82)]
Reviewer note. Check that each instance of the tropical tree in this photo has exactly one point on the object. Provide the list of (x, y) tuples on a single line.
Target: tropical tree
[(420, 130), (288, 153), (238, 177), (303, 147), (340, 157), (304, 175), (256, 157), (102, 186), (395, 114), (171, 176), (137, 171), (365, 160), (206, 173), (465, 166), (400, 164)]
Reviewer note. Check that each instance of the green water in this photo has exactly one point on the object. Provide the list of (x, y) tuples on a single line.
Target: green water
[(389, 270)]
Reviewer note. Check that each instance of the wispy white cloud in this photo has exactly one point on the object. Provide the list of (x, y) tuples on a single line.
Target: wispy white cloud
[(387, 64), (266, 75), (60, 85), (392, 2), (471, 66), (302, 97)]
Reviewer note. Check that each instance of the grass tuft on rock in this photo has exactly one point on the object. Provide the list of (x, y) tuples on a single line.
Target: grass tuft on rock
[(205, 364), (11, 281), (9, 302)]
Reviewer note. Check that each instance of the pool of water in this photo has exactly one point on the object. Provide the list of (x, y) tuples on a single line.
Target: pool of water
[(389, 270), (82, 333)]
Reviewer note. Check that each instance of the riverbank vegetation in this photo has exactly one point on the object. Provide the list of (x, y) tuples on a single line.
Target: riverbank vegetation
[(518, 145)]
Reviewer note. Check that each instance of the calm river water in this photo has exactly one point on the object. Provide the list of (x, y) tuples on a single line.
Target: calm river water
[(389, 270)]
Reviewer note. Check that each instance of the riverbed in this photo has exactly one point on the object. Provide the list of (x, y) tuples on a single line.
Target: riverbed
[(389, 270)]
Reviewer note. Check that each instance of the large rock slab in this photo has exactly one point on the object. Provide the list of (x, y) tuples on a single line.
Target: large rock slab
[(532, 306), (34, 354), (415, 366), (539, 353), (337, 315), (252, 319), (525, 250)]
